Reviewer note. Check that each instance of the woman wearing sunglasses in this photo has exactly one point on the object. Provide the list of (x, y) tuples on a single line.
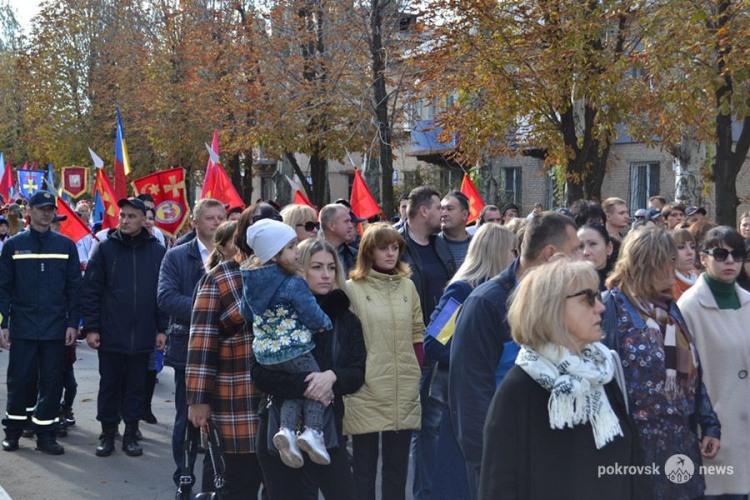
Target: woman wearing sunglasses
[(559, 419), (717, 311), (302, 219), (663, 371)]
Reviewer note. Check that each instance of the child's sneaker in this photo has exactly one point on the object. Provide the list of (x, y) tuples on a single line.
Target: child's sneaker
[(286, 442), (312, 442)]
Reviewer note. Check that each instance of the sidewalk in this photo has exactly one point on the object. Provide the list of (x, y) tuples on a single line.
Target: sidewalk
[(28, 473)]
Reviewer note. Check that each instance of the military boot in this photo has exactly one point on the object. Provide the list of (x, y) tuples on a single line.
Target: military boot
[(106, 440), (129, 441)]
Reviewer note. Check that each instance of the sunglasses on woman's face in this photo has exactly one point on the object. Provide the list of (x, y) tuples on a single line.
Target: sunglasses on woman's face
[(591, 296), (309, 226), (721, 254)]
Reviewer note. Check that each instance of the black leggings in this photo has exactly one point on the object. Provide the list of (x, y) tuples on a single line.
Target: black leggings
[(395, 448), (283, 483)]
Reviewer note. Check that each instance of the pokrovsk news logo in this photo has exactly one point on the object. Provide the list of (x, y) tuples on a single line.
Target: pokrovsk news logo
[(678, 468)]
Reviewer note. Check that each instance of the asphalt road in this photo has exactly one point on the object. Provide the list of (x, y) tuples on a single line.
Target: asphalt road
[(79, 474), (28, 474)]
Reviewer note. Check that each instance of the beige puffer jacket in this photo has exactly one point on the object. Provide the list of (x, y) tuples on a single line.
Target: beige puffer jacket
[(391, 316)]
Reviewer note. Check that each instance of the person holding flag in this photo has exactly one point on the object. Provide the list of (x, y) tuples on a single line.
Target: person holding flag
[(40, 278)]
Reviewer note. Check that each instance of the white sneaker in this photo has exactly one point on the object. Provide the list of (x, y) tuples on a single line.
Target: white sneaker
[(286, 442), (314, 445)]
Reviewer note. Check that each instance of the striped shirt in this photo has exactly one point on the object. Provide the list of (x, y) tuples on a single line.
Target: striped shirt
[(219, 355)]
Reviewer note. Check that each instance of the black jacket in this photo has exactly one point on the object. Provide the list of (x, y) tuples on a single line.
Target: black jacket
[(411, 257), (119, 293), (346, 357), (525, 459), (40, 278), (181, 270)]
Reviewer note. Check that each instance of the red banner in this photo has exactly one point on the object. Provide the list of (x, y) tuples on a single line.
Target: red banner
[(362, 201), (107, 194), (75, 181), (475, 201), (168, 189), (73, 227)]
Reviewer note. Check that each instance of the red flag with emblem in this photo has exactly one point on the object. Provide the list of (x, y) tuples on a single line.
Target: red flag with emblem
[(362, 201), (475, 201), (73, 227), (168, 189), (107, 194)]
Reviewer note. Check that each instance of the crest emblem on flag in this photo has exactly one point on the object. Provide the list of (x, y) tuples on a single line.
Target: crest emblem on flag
[(29, 182), (74, 181), (168, 190)]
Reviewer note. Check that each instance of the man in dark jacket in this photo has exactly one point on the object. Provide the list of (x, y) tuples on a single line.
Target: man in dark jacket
[(181, 270), (40, 278), (483, 349), (123, 322), (432, 265)]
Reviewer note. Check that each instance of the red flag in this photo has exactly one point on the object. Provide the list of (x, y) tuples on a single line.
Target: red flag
[(75, 181), (168, 189), (73, 227), (223, 189), (34, 166), (107, 194), (6, 183), (208, 179), (475, 201), (299, 196), (362, 201)]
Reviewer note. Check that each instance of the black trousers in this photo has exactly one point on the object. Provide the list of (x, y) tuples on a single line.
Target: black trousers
[(335, 480), (34, 365), (242, 478), (395, 446), (126, 373)]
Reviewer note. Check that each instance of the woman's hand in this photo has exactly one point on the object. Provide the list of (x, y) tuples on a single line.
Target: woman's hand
[(709, 446), (198, 415), (320, 386)]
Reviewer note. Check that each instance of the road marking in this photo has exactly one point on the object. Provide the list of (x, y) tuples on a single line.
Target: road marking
[(4, 494)]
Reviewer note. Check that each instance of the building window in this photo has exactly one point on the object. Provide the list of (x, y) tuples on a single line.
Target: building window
[(512, 185), (644, 183)]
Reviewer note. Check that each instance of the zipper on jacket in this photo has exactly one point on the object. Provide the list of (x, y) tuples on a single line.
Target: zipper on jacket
[(135, 295), (395, 351)]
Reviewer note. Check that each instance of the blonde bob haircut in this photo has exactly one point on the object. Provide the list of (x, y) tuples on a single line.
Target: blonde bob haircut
[(489, 253), (537, 324), (310, 247), (376, 236), (298, 214), (646, 255)]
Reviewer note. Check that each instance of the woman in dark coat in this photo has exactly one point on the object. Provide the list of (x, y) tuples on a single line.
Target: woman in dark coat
[(341, 356), (558, 425)]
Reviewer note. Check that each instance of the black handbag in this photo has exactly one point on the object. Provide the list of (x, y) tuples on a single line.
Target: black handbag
[(216, 454)]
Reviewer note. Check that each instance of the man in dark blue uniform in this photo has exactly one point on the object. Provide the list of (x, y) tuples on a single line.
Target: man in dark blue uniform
[(40, 277)]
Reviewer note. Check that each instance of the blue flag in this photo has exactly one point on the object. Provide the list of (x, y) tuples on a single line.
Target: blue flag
[(29, 182), (98, 208)]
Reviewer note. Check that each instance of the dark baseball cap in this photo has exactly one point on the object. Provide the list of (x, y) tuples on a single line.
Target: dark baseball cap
[(695, 210), (58, 218), (42, 199), (133, 202), (3, 220)]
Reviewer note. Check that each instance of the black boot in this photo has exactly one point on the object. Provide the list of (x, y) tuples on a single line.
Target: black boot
[(45, 442), (148, 415), (106, 440), (10, 443), (129, 443)]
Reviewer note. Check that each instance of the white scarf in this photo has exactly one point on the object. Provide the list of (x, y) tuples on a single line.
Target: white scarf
[(576, 384), (688, 279)]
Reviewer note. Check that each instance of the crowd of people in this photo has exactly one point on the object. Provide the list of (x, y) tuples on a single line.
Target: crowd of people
[(520, 357)]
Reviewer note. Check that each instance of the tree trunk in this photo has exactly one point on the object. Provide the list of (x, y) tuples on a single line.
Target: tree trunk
[(380, 102), (689, 155), (321, 194), (584, 173)]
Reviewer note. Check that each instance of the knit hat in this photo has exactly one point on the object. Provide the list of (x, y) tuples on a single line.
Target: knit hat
[(268, 237)]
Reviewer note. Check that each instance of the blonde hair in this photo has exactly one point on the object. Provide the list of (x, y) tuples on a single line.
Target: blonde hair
[(298, 214), (609, 203), (310, 247), (535, 324), (488, 254), (376, 236), (645, 254), (224, 234)]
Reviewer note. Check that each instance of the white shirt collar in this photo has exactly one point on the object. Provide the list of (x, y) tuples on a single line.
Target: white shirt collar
[(203, 250)]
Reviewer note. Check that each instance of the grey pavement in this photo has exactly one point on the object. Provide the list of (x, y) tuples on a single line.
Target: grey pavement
[(79, 474), (28, 474)]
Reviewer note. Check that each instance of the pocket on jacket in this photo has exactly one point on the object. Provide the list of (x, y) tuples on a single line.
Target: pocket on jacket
[(175, 352)]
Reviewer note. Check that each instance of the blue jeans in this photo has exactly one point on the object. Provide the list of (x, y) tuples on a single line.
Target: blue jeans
[(180, 423), (424, 442)]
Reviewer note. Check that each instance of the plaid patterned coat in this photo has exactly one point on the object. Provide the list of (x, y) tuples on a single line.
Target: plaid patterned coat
[(218, 361)]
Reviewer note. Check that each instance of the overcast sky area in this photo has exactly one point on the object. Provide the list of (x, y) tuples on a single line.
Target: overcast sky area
[(25, 10)]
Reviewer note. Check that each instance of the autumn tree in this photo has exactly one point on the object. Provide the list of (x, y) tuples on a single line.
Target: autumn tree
[(694, 86), (540, 77), (12, 96)]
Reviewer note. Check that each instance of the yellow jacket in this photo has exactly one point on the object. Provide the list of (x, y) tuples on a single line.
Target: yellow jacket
[(391, 316)]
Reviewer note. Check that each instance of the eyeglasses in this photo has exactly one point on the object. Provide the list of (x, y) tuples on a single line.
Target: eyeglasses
[(721, 254), (591, 296), (309, 226)]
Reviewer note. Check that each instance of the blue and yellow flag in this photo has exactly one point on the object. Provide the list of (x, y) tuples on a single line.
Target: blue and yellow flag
[(444, 325), (29, 182)]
